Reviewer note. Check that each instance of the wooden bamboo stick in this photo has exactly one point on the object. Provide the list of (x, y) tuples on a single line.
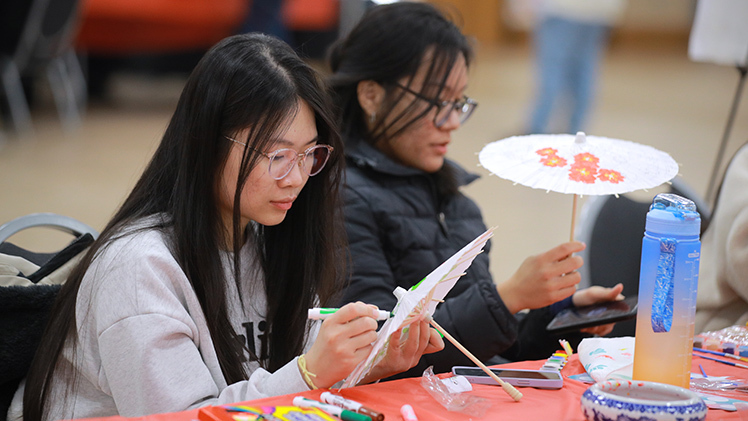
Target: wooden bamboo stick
[(508, 388), (573, 218)]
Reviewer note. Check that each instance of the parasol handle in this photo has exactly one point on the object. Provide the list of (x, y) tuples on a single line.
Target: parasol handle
[(508, 388), (573, 217)]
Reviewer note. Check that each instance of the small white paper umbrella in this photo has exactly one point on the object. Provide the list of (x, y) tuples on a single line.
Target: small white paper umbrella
[(578, 164), (422, 299)]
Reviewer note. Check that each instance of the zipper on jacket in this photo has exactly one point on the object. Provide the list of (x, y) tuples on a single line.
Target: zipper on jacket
[(440, 217), (443, 223)]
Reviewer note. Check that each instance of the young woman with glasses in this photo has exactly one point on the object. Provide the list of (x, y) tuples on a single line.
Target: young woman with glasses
[(400, 80), (196, 293)]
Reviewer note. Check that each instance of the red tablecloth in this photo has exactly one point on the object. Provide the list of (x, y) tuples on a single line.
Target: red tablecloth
[(536, 404)]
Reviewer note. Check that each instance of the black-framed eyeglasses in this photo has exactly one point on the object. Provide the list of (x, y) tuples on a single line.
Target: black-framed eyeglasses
[(464, 107), (282, 161)]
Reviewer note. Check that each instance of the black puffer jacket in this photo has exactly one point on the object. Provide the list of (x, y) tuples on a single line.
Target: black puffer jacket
[(399, 230)]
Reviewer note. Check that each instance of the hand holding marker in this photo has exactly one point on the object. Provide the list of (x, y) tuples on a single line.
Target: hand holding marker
[(341, 413), (323, 313)]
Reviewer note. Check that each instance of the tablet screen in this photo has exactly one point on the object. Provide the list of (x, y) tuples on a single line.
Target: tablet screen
[(594, 315)]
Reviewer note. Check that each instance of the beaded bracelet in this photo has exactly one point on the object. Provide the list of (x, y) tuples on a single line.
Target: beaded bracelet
[(306, 374)]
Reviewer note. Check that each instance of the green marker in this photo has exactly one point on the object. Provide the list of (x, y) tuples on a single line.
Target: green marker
[(323, 313)]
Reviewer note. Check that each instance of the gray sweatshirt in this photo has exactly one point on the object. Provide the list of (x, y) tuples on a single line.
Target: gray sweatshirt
[(143, 343)]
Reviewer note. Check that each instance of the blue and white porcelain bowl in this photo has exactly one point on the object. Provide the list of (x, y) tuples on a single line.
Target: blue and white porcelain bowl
[(621, 400)]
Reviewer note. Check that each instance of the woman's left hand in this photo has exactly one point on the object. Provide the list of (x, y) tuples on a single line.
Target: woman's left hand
[(597, 294), (403, 355)]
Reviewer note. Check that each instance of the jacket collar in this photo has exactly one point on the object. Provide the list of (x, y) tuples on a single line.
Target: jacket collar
[(363, 155)]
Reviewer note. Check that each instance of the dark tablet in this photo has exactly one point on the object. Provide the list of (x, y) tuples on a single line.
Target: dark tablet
[(577, 318)]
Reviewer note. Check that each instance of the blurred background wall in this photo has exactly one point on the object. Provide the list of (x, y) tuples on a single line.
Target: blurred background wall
[(644, 21)]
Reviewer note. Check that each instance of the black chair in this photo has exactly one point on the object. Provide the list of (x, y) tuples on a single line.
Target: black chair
[(613, 229), (29, 283), (43, 43)]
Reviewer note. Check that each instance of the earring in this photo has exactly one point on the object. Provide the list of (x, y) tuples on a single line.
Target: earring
[(372, 117)]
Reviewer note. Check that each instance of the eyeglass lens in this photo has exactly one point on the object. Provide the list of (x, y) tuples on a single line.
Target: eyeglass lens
[(463, 108), (312, 161)]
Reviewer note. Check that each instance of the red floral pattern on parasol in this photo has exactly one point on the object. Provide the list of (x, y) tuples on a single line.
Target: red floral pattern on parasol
[(583, 173)]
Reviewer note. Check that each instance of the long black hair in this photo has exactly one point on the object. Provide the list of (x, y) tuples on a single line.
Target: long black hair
[(388, 44), (253, 82)]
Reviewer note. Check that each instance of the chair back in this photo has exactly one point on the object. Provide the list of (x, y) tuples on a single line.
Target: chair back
[(48, 33), (45, 44)]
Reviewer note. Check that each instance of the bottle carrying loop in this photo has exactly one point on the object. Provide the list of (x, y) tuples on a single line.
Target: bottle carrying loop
[(662, 301)]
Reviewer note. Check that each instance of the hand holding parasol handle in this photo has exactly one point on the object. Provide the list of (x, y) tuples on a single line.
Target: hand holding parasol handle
[(508, 388)]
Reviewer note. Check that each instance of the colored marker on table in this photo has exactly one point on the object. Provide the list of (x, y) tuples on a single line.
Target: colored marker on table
[(337, 411), (567, 347), (408, 413), (350, 405), (323, 313), (721, 354), (721, 361)]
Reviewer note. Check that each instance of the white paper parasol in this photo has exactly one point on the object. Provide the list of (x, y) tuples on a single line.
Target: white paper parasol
[(579, 165), (423, 298)]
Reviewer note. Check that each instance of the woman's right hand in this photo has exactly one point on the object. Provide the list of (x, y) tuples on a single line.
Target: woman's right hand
[(543, 279), (344, 340)]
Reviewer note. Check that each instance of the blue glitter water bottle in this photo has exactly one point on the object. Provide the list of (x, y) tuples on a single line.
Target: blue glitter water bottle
[(668, 282)]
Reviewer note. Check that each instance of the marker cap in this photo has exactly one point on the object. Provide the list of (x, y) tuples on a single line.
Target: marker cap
[(408, 413)]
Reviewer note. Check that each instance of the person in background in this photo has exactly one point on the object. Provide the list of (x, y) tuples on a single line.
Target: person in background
[(722, 298), (188, 297), (400, 79), (569, 38)]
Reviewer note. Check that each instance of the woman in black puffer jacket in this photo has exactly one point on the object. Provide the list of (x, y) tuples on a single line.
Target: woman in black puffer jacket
[(399, 79)]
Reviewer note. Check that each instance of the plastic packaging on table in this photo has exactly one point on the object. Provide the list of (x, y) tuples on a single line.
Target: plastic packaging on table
[(474, 406), (735, 335), (721, 383)]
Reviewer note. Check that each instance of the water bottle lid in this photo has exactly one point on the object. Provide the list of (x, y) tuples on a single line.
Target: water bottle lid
[(671, 214)]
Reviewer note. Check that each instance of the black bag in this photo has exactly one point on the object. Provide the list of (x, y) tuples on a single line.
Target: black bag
[(29, 283)]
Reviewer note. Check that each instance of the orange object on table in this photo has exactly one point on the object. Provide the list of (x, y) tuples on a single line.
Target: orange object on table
[(537, 404), (214, 413)]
